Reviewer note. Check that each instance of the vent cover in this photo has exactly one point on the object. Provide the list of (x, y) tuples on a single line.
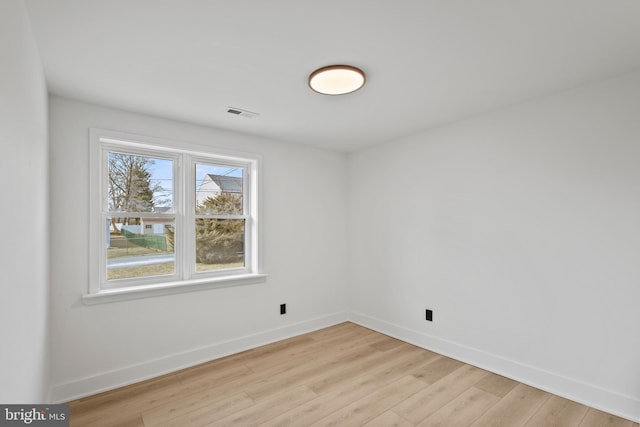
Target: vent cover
[(242, 113)]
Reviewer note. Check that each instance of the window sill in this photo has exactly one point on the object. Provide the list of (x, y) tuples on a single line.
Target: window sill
[(136, 292)]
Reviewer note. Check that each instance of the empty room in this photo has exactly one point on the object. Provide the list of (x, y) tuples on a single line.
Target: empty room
[(357, 212)]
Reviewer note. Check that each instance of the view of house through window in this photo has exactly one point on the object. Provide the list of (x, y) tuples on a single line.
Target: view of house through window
[(219, 217)]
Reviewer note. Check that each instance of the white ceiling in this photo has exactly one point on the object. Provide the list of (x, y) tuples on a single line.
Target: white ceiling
[(428, 62)]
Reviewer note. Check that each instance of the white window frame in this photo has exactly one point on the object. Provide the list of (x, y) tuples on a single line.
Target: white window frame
[(185, 278)]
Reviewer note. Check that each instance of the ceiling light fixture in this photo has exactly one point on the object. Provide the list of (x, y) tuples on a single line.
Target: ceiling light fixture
[(336, 80)]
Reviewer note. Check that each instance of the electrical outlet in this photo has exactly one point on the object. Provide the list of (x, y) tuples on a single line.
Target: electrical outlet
[(283, 308), (429, 315)]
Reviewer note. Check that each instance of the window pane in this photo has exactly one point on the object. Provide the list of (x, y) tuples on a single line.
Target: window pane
[(219, 244), (139, 183), (140, 247), (218, 189)]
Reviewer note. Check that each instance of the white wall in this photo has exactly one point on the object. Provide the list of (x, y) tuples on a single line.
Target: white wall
[(24, 313), (102, 346), (521, 230)]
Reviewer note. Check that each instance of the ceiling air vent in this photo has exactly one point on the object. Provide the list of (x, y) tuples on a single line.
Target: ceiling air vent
[(242, 113)]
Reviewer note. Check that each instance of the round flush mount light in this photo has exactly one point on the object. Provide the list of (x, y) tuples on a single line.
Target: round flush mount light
[(336, 80)]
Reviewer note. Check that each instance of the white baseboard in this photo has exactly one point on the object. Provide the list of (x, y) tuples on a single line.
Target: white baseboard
[(143, 371), (587, 394)]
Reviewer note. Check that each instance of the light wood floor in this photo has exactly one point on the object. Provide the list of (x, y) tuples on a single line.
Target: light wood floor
[(345, 375)]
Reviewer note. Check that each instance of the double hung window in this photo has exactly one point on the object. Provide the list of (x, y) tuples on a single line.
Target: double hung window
[(166, 217)]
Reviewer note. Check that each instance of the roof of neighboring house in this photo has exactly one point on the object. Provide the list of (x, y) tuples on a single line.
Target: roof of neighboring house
[(228, 184)]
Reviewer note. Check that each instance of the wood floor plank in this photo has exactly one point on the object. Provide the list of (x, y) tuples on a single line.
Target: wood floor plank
[(423, 404), (298, 354), (300, 346), (112, 405), (558, 412), (305, 373), (496, 385), (327, 403), (373, 405), (335, 330), (208, 414), (212, 368), (268, 409), (463, 410), (182, 406), (413, 359), (194, 381), (229, 385), (515, 409), (273, 353), (136, 421), (256, 381), (387, 344), (279, 371), (389, 419), (118, 420), (596, 418), (373, 362), (436, 369), (138, 391)]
